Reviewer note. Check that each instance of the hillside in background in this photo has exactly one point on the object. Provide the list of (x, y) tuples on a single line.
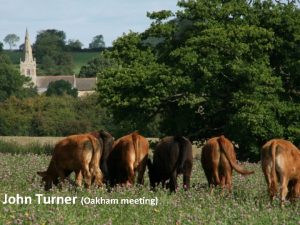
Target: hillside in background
[(79, 58)]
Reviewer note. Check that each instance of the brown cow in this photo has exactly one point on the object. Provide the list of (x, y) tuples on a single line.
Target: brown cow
[(218, 159), (280, 160), (172, 156), (78, 153), (129, 154)]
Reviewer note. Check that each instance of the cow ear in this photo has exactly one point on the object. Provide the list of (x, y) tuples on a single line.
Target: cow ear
[(42, 174)]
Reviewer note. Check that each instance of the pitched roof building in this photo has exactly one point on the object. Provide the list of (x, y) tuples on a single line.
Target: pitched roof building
[(28, 68)]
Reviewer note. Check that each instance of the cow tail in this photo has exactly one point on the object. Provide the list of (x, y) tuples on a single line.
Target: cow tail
[(183, 152), (230, 157), (273, 169), (97, 151), (136, 145)]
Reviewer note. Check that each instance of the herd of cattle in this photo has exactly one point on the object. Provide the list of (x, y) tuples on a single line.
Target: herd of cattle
[(97, 158)]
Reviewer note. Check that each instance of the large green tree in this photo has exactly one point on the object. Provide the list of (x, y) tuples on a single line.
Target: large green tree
[(137, 88), (50, 51), (214, 67)]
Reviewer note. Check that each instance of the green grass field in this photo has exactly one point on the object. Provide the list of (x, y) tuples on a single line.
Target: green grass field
[(248, 204), (79, 58)]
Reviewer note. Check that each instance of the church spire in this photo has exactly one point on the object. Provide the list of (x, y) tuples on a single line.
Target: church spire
[(27, 48), (28, 66)]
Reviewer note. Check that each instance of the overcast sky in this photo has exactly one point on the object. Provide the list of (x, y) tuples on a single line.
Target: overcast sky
[(79, 19)]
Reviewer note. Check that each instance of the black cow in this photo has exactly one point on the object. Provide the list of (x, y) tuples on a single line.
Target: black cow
[(172, 156)]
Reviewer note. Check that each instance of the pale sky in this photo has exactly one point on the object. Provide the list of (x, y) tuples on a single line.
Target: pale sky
[(79, 19)]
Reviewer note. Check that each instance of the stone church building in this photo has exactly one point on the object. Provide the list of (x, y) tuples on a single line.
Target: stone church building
[(28, 68)]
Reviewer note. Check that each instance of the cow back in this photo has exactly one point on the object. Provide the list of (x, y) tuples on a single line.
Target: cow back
[(170, 154), (74, 150), (127, 152)]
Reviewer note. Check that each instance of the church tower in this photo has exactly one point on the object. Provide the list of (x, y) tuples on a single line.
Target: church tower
[(28, 66)]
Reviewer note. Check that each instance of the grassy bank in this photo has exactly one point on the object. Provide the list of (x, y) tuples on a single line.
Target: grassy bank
[(248, 204)]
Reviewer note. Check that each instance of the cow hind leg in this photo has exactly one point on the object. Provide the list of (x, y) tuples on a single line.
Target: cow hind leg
[(173, 182), (210, 179), (208, 175), (291, 190), (61, 175), (141, 170), (87, 176), (216, 178), (223, 181), (271, 181), (186, 181), (98, 176), (78, 178), (284, 189), (229, 181), (130, 175), (187, 175), (271, 188)]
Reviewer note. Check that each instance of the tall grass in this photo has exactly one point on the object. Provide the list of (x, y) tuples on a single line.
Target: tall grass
[(35, 148), (247, 204)]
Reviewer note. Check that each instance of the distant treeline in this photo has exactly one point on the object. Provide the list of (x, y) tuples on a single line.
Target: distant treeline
[(51, 116)]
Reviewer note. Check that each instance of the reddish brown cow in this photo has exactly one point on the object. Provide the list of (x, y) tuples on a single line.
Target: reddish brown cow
[(218, 159), (129, 154), (78, 153), (280, 160)]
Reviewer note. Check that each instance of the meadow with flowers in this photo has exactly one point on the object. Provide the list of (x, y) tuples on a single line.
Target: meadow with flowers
[(248, 203)]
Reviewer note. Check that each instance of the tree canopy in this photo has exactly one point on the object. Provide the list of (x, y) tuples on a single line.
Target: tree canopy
[(74, 45), (61, 87), (11, 40), (95, 66), (211, 68), (11, 82), (50, 47), (97, 42)]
